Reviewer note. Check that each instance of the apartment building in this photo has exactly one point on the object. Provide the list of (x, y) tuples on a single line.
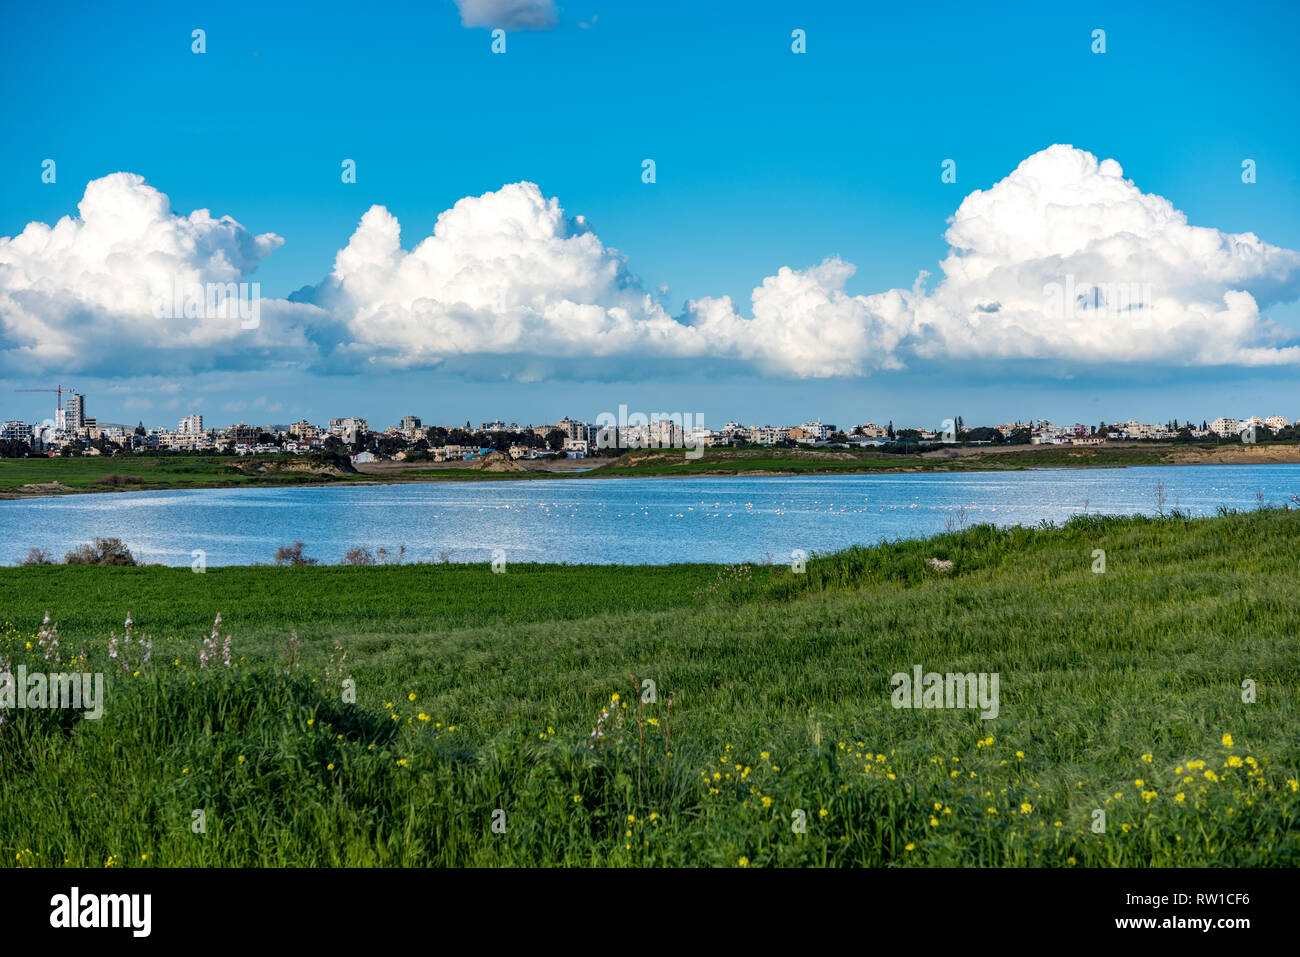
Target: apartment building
[(350, 430), (1224, 427), (16, 431), (575, 431), (1143, 430), (768, 435), (74, 413)]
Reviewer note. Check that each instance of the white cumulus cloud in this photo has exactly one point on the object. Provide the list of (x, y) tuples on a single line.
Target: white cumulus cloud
[(507, 273), (83, 294), (805, 325), (1065, 258)]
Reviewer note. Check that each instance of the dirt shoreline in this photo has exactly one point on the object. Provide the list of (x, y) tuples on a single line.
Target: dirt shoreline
[(393, 473)]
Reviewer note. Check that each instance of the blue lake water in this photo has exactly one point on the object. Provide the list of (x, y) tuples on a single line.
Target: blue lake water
[(623, 521)]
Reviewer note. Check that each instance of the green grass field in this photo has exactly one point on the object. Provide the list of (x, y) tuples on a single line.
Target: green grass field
[(96, 473), (477, 693)]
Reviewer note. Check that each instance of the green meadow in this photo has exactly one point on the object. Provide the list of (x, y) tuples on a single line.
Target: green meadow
[(458, 730), (123, 473)]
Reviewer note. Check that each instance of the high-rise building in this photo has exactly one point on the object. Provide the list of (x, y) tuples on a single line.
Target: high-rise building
[(191, 425), (74, 414)]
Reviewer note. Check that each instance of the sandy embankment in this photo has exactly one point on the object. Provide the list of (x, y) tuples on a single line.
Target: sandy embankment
[(1236, 455), (1171, 454), (38, 488), (389, 468)]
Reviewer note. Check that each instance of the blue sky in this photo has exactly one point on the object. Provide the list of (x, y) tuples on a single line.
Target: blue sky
[(764, 159)]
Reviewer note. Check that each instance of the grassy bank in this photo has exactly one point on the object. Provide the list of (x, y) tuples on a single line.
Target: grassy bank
[(477, 693), (45, 476), (134, 472)]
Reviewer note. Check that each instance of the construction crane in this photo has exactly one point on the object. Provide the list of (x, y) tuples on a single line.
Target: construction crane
[(59, 390)]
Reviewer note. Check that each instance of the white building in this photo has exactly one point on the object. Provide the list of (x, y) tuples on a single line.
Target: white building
[(351, 430), (1142, 430), (816, 431), (16, 431), (42, 437), (768, 435), (1224, 427)]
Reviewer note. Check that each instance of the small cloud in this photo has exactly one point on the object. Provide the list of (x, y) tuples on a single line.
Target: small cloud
[(509, 14)]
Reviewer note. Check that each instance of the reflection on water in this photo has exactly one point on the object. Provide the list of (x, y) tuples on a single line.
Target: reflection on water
[(624, 521)]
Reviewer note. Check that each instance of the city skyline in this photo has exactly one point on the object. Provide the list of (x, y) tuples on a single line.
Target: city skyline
[(1127, 247), (194, 421)]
